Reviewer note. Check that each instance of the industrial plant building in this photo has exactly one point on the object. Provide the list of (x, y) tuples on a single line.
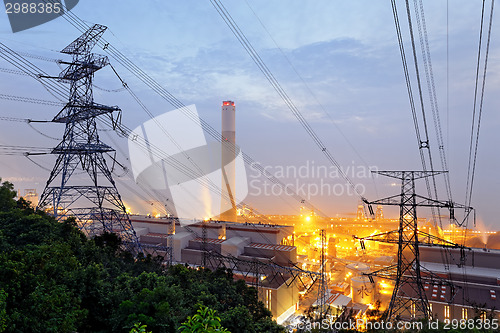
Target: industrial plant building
[(244, 243), (474, 288)]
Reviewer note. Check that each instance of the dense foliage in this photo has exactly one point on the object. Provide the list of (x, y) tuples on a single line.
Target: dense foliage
[(53, 279), (205, 321)]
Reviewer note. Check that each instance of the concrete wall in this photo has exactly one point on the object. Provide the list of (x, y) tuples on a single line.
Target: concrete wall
[(149, 239), (160, 226), (286, 297), (214, 229), (198, 245), (180, 241), (282, 298), (438, 311), (285, 257), (261, 253), (234, 246), (193, 257), (141, 231), (256, 233), (476, 258)]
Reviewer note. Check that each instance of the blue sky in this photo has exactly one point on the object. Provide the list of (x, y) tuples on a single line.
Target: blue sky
[(346, 52)]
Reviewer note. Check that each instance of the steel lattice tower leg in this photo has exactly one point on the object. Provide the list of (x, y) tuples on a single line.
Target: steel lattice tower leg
[(409, 298), (81, 183), (204, 243), (322, 287)]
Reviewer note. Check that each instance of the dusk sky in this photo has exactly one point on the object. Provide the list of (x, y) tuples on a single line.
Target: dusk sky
[(338, 61)]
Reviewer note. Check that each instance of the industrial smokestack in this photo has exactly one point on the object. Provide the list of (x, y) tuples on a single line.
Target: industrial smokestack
[(228, 206)]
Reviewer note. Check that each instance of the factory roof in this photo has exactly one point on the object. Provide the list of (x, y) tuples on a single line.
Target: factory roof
[(337, 300), (468, 270), (237, 240), (268, 282), (209, 240), (261, 227), (340, 286), (156, 234), (209, 224), (152, 220), (285, 248)]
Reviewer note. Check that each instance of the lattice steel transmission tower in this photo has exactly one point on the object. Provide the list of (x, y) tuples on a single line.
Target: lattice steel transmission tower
[(409, 299), (81, 183), (322, 287), (204, 243)]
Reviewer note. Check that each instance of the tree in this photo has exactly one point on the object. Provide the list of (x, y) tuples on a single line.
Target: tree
[(204, 321), (3, 310), (139, 328), (7, 195)]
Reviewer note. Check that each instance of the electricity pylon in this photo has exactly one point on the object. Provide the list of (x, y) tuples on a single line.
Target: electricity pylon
[(409, 299), (81, 183), (322, 287)]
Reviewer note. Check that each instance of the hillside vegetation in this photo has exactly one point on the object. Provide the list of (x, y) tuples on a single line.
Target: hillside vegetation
[(54, 279)]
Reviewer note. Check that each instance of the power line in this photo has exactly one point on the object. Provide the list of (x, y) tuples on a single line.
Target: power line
[(422, 138), (109, 90), (30, 100), (23, 150), (165, 94), (448, 75), (332, 121), (12, 71), (56, 88), (227, 18), (129, 65), (422, 143), (19, 120), (424, 45), (474, 148)]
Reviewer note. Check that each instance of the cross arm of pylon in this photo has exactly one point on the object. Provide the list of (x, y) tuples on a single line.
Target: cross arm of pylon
[(431, 240), (79, 69), (388, 273), (421, 201), (83, 112), (86, 41), (416, 174), (392, 237), (428, 202), (428, 277)]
